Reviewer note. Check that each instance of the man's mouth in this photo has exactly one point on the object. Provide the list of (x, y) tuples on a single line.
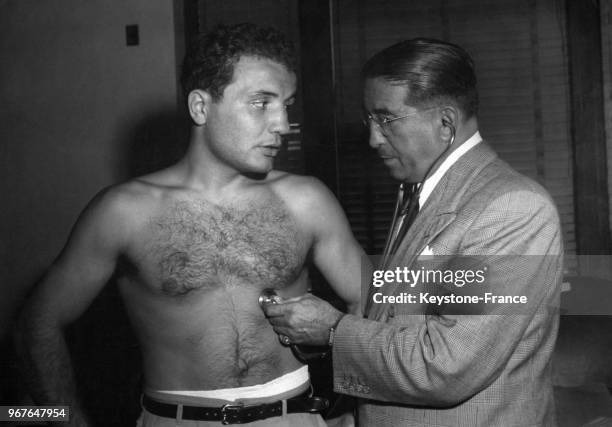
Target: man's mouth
[(383, 155), (271, 150)]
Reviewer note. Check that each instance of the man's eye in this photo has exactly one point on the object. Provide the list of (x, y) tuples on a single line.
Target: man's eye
[(260, 105), (380, 119)]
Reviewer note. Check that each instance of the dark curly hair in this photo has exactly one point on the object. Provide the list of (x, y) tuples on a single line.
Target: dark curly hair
[(432, 70), (209, 63)]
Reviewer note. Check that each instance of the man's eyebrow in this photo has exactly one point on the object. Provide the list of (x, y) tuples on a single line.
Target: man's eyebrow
[(269, 94), (265, 93), (381, 111)]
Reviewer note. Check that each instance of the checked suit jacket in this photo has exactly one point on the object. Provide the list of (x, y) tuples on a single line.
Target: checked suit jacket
[(422, 365)]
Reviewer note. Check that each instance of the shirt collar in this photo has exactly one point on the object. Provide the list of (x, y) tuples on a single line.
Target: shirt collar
[(430, 183)]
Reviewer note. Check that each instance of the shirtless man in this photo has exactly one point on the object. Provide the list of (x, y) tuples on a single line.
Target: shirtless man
[(195, 245)]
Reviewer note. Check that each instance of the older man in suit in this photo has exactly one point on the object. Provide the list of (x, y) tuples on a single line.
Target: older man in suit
[(414, 361)]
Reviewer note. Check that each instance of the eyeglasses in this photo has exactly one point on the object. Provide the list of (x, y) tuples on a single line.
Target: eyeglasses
[(385, 124)]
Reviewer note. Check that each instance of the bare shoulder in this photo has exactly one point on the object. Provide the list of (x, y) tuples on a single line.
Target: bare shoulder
[(118, 210), (301, 191), (311, 202), (118, 201)]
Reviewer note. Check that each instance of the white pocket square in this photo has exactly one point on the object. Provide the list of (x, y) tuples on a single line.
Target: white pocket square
[(427, 251)]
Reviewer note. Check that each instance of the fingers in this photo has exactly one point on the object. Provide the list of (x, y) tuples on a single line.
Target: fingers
[(283, 331), (279, 316), (279, 321), (298, 298), (277, 310)]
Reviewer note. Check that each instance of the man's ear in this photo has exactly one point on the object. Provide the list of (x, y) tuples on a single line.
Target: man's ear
[(449, 119), (198, 103)]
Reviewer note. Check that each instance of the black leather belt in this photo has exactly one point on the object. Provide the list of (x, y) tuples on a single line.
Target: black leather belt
[(237, 413)]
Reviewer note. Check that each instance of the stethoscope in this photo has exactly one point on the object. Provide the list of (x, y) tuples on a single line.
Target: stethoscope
[(304, 353), (408, 207)]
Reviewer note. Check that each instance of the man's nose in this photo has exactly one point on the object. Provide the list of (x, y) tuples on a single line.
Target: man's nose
[(376, 138), (280, 122)]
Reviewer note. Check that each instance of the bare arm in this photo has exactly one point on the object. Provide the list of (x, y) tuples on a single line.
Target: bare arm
[(336, 253), (68, 288)]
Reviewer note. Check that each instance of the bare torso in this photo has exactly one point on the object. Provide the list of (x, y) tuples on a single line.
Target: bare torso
[(191, 277)]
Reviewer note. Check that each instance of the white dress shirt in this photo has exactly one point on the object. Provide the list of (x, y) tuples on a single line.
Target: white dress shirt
[(430, 183)]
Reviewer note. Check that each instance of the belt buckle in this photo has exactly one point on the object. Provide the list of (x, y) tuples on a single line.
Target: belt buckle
[(230, 410)]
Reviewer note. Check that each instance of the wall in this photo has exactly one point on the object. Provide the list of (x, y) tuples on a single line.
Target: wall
[(78, 109)]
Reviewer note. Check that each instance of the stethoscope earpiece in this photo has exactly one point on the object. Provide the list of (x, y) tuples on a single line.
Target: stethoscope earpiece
[(448, 124)]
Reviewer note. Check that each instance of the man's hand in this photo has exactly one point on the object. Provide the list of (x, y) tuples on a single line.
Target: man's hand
[(305, 319)]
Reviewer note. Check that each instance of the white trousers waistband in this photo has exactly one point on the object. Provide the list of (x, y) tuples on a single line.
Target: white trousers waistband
[(283, 387)]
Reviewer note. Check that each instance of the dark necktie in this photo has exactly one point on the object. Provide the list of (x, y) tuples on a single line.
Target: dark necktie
[(408, 214)]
